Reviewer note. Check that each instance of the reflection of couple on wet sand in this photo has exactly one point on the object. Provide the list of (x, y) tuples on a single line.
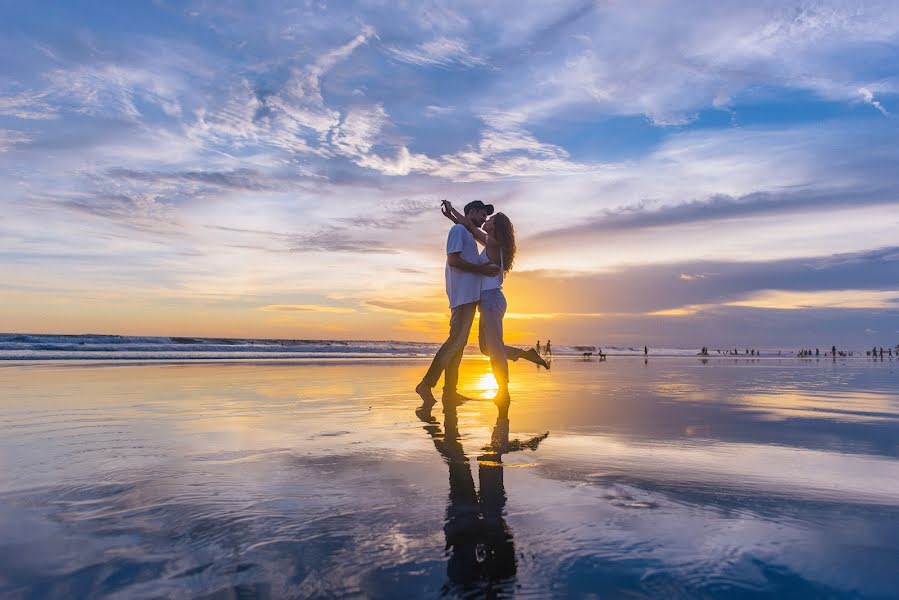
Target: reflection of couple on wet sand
[(474, 281), (478, 540)]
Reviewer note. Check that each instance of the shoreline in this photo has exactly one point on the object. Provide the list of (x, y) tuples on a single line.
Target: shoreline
[(347, 360)]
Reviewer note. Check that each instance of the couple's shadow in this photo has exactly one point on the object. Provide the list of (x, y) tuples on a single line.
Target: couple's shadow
[(479, 542)]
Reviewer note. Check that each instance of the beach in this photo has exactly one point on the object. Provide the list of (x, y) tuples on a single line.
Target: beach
[(671, 477)]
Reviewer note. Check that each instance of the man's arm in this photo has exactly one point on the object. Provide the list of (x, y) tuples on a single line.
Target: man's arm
[(456, 261)]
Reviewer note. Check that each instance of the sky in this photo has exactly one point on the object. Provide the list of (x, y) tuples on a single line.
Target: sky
[(678, 173)]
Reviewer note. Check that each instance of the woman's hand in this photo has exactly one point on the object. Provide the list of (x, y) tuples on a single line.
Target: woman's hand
[(446, 207)]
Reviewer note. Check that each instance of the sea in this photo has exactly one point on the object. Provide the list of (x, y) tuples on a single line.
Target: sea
[(27, 346)]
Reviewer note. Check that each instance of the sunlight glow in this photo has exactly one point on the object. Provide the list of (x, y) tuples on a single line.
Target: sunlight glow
[(486, 385)]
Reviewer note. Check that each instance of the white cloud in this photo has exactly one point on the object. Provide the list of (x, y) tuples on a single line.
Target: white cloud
[(868, 97), (793, 300), (358, 131), (441, 52), (8, 139), (433, 110), (671, 60), (28, 105), (402, 163)]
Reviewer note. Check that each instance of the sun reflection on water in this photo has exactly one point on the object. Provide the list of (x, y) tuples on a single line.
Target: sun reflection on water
[(485, 385)]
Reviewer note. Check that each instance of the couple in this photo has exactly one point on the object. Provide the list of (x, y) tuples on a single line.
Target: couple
[(475, 280)]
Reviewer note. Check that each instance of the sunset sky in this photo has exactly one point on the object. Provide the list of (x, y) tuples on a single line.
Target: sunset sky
[(679, 173)]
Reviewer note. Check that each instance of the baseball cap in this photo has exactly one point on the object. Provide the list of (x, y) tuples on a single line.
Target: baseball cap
[(488, 208)]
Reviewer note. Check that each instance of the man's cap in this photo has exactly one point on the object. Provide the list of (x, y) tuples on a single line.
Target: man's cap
[(475, 204)]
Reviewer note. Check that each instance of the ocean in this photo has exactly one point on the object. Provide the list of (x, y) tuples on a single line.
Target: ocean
[(23, 346)]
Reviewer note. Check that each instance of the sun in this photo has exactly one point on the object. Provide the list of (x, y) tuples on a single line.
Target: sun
[(486, 385)]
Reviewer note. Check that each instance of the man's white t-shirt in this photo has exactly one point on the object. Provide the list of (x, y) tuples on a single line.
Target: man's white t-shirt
[(462, 287)]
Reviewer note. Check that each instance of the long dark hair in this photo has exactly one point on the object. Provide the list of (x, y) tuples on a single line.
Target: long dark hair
[(505, 235)]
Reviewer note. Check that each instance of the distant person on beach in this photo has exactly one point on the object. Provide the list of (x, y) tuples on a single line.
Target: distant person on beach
[(645, 350), (537, 347), (464, 270), (548, 351), (498, 239)]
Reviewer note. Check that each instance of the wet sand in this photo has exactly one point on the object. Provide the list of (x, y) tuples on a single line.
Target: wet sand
[(672, 478)]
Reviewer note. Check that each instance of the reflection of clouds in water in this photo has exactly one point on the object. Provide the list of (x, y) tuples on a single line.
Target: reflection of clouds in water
[(315, 479), (737, 468), (864, 406), (698, 540)]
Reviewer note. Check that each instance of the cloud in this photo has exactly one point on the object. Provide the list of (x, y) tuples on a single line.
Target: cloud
[(389, 215), (504, 151), (868, 97), (434, 110), (429, 304), (793, 300), (672, 60), (403, 162), (659, 289), (326, 240), (144, 212), (306, 308), (112, 87), (8, 139), (358, 131), (336, 240), (720, 207), (300, 99), (442, 52), (238, 179), (29, 106)]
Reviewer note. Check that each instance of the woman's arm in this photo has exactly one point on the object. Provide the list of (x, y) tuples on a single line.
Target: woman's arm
[(447, 212), (455, 216)]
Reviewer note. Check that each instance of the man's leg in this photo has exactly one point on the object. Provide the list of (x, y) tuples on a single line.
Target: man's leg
[(464, 317), (451, 351)]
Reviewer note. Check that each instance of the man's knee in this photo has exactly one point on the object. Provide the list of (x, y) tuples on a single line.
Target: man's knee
[(456, 345)]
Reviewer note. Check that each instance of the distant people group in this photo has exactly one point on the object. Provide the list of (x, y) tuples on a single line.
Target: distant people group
[(547, 350), (875, 352)]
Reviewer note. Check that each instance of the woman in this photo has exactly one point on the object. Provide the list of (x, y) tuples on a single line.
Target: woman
[(498, 239)]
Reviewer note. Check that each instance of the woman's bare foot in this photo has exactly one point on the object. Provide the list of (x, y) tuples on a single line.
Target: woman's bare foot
[(531, 355), (503, 401)]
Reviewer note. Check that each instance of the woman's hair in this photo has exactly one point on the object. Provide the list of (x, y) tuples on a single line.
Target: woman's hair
[(505, 235)]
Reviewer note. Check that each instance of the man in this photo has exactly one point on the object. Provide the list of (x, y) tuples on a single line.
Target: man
[(463, 288)]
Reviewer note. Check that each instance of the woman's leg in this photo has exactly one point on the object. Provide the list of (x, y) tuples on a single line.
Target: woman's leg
[(493, 307), (530, 355), (512, 353)]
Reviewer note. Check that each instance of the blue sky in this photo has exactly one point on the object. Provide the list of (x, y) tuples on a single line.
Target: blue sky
[(678, 172)]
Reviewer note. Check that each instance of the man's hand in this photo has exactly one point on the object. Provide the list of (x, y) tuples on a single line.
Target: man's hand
[(489, 270), (456, 261)]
